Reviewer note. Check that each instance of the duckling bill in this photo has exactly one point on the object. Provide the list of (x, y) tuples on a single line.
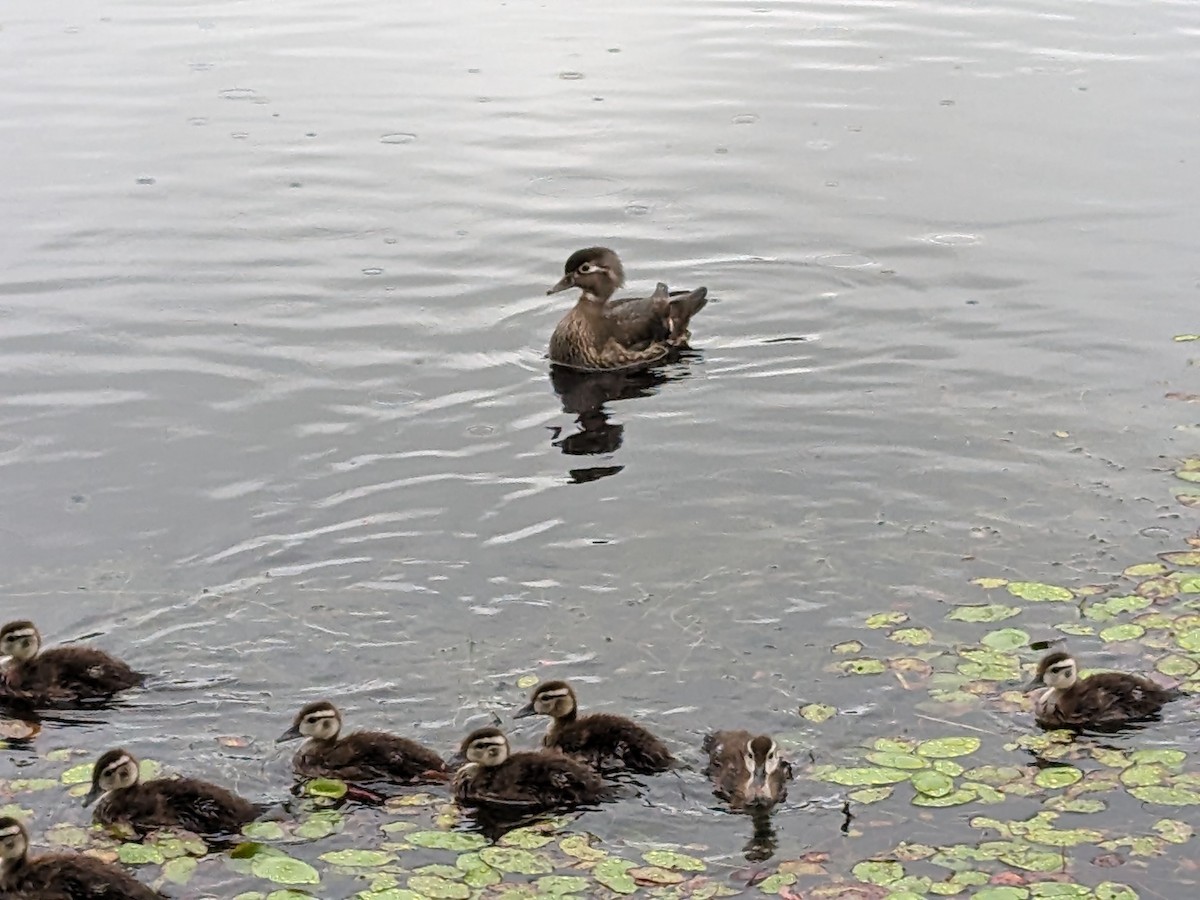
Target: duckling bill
[(494, 776), (59, 675), (747, 771), (600, 333), (602, 739), (360, 756), (61, 876), (163, 802), (1101, 700)]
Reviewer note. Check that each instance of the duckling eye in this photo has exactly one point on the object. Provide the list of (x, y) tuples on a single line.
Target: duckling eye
[(588, 268)]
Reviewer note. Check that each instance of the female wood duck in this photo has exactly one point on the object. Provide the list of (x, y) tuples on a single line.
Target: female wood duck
[(361, 756), (530, 780), (61, 876), (747, 771), (1102, 700), (603, 334), (602, 739), (60, 674), (163, 802)]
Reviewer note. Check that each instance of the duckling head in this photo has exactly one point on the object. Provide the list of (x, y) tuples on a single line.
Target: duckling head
[(320, 721), (1057, 670), (116, 770), (485, 747), (762, 760), (596, 271), (550, 698), (20, 640), (14, 841)]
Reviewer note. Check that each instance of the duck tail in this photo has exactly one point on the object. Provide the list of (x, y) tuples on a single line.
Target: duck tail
[(683, 306)]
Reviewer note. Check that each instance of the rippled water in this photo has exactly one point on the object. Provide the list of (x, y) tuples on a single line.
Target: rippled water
[(276, 421)]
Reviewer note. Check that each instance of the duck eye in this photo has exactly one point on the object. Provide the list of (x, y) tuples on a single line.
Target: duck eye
[(587, 269)]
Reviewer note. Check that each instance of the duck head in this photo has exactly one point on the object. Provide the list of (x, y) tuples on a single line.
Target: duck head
[(20, 640), (1056, 670), (485, 747), (596, 271), (550, 698), (14, 842), (116, 770), (320, 721), (766, 772)]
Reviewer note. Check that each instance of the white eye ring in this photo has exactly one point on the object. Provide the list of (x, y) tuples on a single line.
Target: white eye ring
[(588, 268)]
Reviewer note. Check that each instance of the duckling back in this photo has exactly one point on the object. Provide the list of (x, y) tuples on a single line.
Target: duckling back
[(184, 802)]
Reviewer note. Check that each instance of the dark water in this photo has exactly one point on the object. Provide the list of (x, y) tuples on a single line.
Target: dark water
[(276, 422)]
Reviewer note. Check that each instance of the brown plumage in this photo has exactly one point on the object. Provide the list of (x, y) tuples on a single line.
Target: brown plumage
[(1102, 700), (600, 333), (602, 739), (361, 756), (60, 675), (60, 876), (747, 770), (527, 781), (163, 802)]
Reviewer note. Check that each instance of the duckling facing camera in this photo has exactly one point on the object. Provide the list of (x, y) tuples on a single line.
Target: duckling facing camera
[(602, 739), (61, 876), (747, 771), (59, 675), (600, 334), (526, 781), (1101, 700), (360, 756), (187, 803)]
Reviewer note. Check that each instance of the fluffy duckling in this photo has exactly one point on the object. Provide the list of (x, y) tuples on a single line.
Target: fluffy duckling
[(163, 802), (1102, 700), (533, 779), (747, 771), (361, 756), (604, 334), (602, 739), (60, 674), (61, 876)]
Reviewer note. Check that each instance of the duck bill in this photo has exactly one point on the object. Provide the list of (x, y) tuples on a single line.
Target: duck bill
[(93, 795), (525, 711), (759, 793), (567, 281), (290, 735)]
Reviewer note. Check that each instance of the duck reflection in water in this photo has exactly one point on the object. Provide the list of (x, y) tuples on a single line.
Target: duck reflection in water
[(585, 394)]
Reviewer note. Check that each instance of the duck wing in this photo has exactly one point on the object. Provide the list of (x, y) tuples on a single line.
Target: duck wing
[(1114, 697), (603, 739), (386, 757), (202, 807), (76, 876)]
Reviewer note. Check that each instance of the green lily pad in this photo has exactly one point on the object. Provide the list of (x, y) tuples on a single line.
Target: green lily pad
[(263, 831), (1005, 639), (984, 613), (865, 776), (655, 875), (476, 872), (180, 869), (360, 859), (1126, 631), (80, 774), (988, 583), (514, 859), (1036, 591), (913, 637), (558, 885), (1165, 795), (1162, 756), (1001, 892), (139, 855), (845, 648), (1143, 774), (948, 767), (1183, 338), (1111, 890), (1188, 558), (457, 841), (283, 869), (530, 838), (435, 887), (817, 712), (877, 871), (886, 619), (1141, 570), (579, 847), (1177, 666), (944, 748), (669, 859), (613, 873), (1058, 837), (326, 787), (862, 666), (871, 795), (1086, 805), (777, 882), (893, 760), (932, 783), (954, 798)]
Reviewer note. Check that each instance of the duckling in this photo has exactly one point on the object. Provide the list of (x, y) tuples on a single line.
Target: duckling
[(532, 779), (361, 756), (61, 876), (602, 739), (1102, 700), (60, 674), (599, 333), (747, 770), (163, 802)]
